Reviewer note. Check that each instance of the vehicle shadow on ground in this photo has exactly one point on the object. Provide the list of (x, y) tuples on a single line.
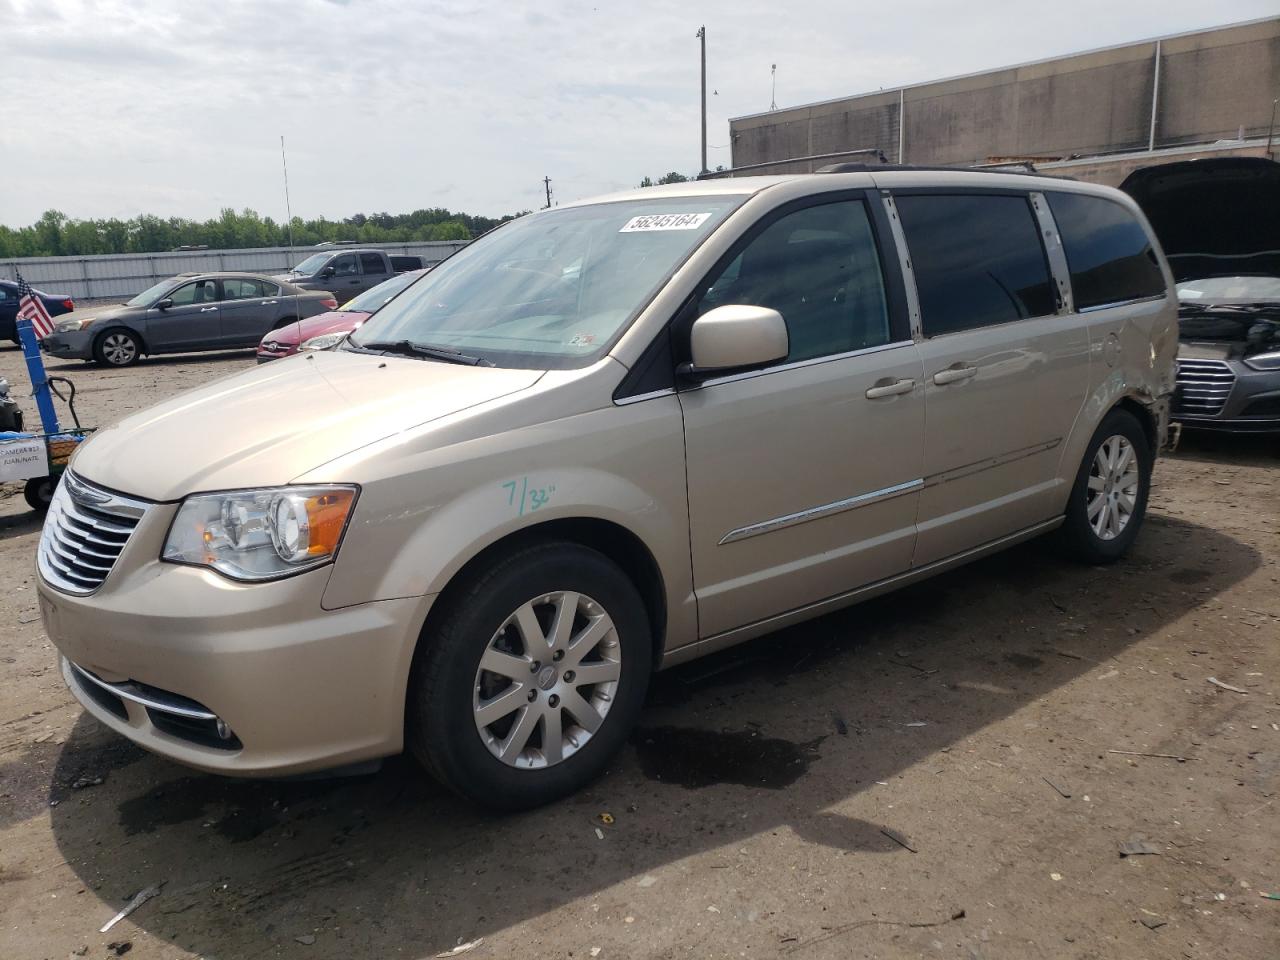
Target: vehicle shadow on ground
[(766, 736), (1245, 449), (52, 365), (22, 523)]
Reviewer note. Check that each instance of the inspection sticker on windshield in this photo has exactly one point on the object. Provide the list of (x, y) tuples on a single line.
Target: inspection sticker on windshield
[(665, 221)]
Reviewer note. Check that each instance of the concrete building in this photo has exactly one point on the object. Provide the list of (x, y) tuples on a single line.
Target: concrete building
[(1160, 97)]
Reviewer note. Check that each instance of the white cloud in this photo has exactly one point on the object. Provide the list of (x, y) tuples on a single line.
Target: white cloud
[(117, 107)]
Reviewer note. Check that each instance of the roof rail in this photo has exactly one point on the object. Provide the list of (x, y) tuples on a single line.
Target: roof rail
[(1023, 169)]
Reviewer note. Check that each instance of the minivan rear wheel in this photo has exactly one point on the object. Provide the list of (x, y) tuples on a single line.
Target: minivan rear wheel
[(1109, 499), (532, 677)]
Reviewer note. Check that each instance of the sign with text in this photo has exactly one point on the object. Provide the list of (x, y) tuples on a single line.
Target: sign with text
[(23, 459)]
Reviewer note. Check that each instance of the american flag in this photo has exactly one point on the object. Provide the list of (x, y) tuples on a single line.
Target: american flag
[(31, 307)]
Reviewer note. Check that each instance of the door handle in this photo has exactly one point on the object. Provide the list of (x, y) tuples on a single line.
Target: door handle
[(207, 309), (893, 389), (266, 303), (954, 375)]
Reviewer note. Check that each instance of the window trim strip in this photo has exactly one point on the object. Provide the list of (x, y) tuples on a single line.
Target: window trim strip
[(798, 364)]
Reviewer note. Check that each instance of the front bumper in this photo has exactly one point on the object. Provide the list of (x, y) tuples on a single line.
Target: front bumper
[(1244, 400), (72, 345), (299, 688)]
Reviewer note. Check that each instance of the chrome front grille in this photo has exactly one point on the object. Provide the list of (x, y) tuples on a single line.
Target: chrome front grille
[(1203, 387), (84, 532)]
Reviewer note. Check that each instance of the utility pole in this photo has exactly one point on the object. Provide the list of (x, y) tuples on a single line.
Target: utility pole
[(546, 181), (773, 80), (702, 36)]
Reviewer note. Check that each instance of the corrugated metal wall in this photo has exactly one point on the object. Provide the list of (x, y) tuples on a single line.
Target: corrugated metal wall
[(1212, 85), (123, 275)]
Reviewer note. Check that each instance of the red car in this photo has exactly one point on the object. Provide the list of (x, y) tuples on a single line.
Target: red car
[(326, 329)]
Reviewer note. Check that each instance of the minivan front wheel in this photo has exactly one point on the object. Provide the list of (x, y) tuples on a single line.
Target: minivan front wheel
[(1109, 499), (532, 678)]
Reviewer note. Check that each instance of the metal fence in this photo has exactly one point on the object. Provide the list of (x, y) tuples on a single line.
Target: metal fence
[(124, 274)]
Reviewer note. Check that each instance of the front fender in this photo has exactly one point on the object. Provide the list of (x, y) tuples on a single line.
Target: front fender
[(434, 506)]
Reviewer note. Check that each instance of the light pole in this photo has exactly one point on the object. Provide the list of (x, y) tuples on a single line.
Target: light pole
[(702, 37)]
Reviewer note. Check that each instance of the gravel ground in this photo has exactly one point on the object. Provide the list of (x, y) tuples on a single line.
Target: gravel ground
[(946, 772)]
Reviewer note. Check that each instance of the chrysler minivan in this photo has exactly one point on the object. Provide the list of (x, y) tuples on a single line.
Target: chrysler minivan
[(604, 439)]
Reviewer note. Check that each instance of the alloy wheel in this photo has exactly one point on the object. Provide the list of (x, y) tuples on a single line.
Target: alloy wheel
[(119, 349), (547, 680), (1112, 496)]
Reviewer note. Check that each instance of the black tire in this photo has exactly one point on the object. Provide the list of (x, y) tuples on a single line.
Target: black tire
[(441, 725), (38, 493), (1077, 533), (106, 354)]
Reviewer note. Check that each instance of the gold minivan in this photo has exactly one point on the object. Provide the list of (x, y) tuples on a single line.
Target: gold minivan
[(604, 439)]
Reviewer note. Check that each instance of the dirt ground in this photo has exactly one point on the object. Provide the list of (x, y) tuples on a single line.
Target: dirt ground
[(946, 772)]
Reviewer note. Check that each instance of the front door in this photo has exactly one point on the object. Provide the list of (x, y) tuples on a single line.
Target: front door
[(346, 281), (190, 322), (804, 477), (1006, 368)]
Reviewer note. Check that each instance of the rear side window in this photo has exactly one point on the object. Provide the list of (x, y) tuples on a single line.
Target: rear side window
[(372, 263), (242, 289), (1108, 252), (977, 261)]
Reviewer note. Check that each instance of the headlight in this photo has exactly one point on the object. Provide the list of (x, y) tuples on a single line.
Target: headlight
[(67, 326), (260, 534), (1264, 361), (323, 342)]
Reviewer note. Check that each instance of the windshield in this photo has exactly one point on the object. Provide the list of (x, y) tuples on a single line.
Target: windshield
[(312, 263), (551, 290), (375, 297), (1217, 289), (151, 294)]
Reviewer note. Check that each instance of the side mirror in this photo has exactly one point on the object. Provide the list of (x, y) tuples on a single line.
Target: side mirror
[(329, 271), (164, 304), (736, 336)]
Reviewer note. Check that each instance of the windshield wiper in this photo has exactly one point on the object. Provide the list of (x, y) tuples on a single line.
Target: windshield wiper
[(409, 348)]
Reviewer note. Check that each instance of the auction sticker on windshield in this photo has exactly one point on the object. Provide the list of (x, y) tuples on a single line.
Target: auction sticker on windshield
[(665, 221)]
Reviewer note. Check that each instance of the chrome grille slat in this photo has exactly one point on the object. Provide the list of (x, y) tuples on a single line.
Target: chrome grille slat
[(84, 533), (1204, 387)]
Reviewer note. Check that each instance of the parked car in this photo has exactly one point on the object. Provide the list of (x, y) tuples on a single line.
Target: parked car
[(56, 303), (604, 438), (326, 329), (1219, 223), (193, 311), (346, 272)]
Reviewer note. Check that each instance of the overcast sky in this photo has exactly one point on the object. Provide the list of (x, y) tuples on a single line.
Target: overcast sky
[(118, 107)]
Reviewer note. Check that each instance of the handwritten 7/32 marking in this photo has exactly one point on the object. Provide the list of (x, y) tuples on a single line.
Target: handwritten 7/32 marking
[(530, 498)]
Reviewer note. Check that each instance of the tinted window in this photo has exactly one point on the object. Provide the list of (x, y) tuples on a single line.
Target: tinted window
[(977, 261), (201, 291), (242, 289), (819, 268), (4, 293), (345, 265), (1108, 252), (372, 263)]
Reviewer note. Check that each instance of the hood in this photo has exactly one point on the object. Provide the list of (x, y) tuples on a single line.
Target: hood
[(339, 321), (1214, 218), (96, 313), (274, 423)]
